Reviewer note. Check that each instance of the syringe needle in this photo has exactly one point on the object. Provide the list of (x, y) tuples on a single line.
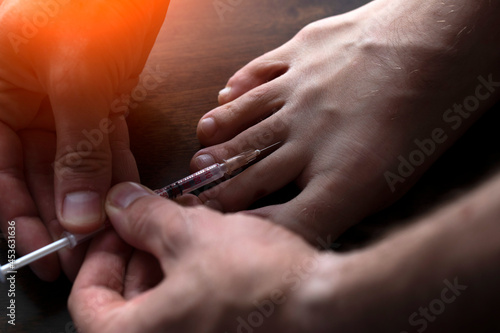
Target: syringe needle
[(240, 160), (269, 147)]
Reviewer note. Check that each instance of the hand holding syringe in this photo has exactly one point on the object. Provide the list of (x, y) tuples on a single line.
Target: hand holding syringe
[(183, 186)]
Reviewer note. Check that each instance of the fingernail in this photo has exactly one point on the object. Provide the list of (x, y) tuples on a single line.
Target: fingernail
[(204, 160), (224, 92), (82, 208), (122, 195), (208, 126)]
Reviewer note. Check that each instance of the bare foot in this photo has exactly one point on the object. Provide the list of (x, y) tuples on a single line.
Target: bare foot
[(363, 104)]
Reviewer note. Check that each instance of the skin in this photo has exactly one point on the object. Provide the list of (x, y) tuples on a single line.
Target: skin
[(437, 275), (195, 270), (208, 271), (58, 80), (346, 98)]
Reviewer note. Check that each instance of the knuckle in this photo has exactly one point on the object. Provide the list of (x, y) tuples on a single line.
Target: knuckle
[(82, 164), (308, 32), (232, 111), (262, 96)]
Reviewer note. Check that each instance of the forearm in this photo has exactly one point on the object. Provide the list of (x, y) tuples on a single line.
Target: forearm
[(444, 266)]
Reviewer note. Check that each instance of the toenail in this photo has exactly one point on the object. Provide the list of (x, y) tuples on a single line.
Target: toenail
[(203, 161), (208, 127), (224, 92)]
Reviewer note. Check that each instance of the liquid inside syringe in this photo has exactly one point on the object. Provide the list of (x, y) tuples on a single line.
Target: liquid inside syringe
[(183, 186)]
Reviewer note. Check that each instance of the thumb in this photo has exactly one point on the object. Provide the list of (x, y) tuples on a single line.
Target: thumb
[(149, 222), (83, 164)]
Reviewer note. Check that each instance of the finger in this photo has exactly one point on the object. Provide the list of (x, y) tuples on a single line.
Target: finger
[(143, 273), (227, 121), (97, 304), (98, 288), (17, 205), (39, 152), (148, 222), (259, 71), (123, 161), (83, 165), (267, 176)]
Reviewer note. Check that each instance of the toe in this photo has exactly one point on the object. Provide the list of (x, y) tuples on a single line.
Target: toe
[(225, 122), (269, 131), (264, 177), (260, 71)]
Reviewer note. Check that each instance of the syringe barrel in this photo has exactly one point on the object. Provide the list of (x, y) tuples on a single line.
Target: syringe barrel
[(193, 182)]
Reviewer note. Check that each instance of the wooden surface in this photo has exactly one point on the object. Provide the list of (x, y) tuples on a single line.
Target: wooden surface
[(196, 52)]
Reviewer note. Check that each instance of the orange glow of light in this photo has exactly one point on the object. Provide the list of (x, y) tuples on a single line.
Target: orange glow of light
[(91, 25)]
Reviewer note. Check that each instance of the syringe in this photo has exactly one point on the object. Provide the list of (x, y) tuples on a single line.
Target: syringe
[(183, 186), (210, 174)]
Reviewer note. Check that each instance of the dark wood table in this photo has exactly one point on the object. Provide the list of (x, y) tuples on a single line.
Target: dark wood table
[(198, 49)]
